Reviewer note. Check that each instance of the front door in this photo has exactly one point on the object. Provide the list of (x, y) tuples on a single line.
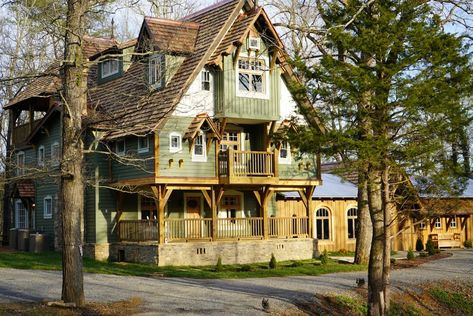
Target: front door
[(193, 223)]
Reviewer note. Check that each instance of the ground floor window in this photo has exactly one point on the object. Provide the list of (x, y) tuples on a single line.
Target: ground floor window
[(148, 209), (322, 223), (438, 223), (230, 205), (352, 222), (21, 215)]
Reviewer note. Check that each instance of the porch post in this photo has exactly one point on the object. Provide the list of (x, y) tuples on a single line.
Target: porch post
[(310, 211), (267, 194), (214, 214), (162, 194)]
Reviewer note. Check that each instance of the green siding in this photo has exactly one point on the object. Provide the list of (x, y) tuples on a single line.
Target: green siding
[(189, 168), (302, 168), (141, 164), (228, 104)]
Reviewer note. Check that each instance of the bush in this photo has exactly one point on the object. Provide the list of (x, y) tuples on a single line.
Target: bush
[(467, 244), (246, 268), (296, 264), (419, 245), (324, 257), (272, 262), (429, 246), (410, 255), (219, 266)]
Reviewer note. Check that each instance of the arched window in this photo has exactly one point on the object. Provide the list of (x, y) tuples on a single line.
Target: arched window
[(352, 222), (322, 223)]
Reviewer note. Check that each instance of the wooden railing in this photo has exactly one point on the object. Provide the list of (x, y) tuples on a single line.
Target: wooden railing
[(287, 227), (231, 228), (184, 229), (138, 230), (22, 131), (247, 163), (188, 228)]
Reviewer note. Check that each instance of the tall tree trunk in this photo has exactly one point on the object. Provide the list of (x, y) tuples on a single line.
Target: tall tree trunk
[(75, 100), (376, 305), (364, 228), (387, 210)]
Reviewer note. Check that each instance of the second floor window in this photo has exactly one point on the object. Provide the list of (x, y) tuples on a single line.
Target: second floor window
[(48, 207), (199, 152), (285, 153), (251, 77), (120, 147), (175, 143), (205, 77), (20, 163), (453, 222), (143, 144), (438, 223), (55, 157), (156, 71), (41, 156), (110, 67)]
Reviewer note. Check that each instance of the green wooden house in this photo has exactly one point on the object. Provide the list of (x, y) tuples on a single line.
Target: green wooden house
[(182, 163)]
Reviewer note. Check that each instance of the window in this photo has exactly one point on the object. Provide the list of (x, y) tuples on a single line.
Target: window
[(21, 215), (322, 223), (251, 77), (175, 143), (230, 139), (48, 207), (199, 153), (230, 206), (55, 154), (120, 147), (254, 43), (438, 223), (285, 153), (352, 222), (41, 155), (453, 222), (156, 71), (143, 144), (110, 67), (422, 225), (20, 163), (205, 78)]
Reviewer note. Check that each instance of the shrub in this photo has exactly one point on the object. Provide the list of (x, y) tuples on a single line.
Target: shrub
[(219, 266), (419, 245), (467, 244), (296, 264), (272, 262), (429, 246), (410, 255), (324, 257), (245, 268)]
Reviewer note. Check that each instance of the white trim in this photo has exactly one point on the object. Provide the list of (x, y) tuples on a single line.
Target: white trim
[(266, 78), (258, 43), (111, 71), (288, 159), (203, 157), (121, 152), (439, 221), (20, 167), (453, 223), (143, 149), (330, 221), (352, 217), (41, 157), (17, 215), (48, 215), (179, 147), (241, 211), (55, 155), (202, 81)]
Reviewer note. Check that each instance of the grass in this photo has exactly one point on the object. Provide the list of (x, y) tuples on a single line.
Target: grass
[(52, 261), (457, 302), (342, 253)]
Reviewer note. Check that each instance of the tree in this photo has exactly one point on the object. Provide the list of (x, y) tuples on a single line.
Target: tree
[(399, 85)]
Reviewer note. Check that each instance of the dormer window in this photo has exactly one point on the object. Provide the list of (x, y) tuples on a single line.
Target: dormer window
[(156, 71), (252, 81), (199, 152), (205, 78), (110, 67), (253, 43)]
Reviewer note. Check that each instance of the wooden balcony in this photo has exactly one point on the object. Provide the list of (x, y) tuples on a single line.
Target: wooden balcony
[(248, 167), (189, 229)]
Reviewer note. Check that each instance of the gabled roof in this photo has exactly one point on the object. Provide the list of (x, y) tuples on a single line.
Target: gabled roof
[(334, 187), (172, 36), (196, 125), (25, 189)]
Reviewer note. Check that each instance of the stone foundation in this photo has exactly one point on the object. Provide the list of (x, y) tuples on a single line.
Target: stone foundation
[(135, 252), (97, 251)]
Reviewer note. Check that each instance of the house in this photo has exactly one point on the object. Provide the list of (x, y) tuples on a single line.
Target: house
[(181, 163)]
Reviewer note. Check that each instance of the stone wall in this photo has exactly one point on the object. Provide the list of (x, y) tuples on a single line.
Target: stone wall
[(134, 252), (97, 251)]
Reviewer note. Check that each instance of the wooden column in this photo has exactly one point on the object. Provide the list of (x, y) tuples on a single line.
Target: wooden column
[(265, 196), (310, 209), (162, 194), (214, 209)]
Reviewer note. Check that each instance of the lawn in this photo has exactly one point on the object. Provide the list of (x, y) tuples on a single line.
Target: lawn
[(52, 261)]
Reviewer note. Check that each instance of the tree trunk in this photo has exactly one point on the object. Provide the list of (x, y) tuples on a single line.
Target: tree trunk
[(376, 305), (387, 210), (75, 100), (364, 228)]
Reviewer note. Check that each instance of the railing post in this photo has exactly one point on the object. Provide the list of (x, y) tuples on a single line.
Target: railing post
[(276, 162), (230, 162), (214, 215)]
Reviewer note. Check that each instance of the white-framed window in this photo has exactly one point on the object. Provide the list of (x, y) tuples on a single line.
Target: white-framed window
[(352, 221), (110, 67), (252, 78), (453, 222), (205, 79), (285, 153), (199, 152), (175, 142), (156, 71), (55, 157), (21, 215), (120, 147), (438, 223), (41, 156), (143, 144), (48, 207), (422, 225), (20, 163), (322, 223), (254, 43)]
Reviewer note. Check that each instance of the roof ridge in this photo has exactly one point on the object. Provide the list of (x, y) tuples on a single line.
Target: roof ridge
[(206, 9), (170, 21)]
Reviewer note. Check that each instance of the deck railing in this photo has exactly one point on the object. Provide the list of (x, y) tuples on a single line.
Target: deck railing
[(287, 227), (247, 163), (231, 228), (184, 229), (188, 228)]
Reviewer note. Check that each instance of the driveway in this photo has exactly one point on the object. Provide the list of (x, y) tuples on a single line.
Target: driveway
[(164, 296)]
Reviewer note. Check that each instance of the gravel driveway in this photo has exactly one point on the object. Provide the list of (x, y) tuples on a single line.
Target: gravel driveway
[(164, 296)]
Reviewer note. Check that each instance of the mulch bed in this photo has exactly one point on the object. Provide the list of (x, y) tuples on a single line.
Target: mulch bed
[(6, 249), (404, 263)]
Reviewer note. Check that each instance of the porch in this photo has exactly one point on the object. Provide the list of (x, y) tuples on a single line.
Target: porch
[(208, 229)]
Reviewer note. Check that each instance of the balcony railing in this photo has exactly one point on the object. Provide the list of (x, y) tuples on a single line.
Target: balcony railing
[(185, 229), (247, 163)]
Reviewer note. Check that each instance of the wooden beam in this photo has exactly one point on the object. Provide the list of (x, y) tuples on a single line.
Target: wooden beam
[(223, 125), (156, 154), (207, 198), (303, 196), (309, 192), (237, 54), (449, 221), (273, 59), (190, 188), (214, 209), (463, 222), (220, 192), (432, 223), (257, 197)]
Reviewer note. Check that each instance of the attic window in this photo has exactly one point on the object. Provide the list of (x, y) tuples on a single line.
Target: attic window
[(205, 76), (253, 43), (156, 71), (110, 67)]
